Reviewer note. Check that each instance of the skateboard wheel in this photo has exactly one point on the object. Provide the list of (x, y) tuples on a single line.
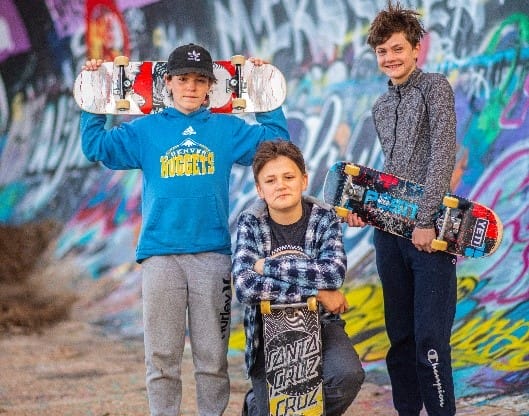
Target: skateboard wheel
[(439, 245), (352, 170), (312, 304), (266, 308), (121, 60), (450, 202), (238, 103), (123, 105), (341, 212), (238, 60)]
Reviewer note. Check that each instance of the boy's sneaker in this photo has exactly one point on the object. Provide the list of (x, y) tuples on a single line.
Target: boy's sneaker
[(247, 398)]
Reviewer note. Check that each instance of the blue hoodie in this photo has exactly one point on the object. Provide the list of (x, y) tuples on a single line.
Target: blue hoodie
[(186, 162)]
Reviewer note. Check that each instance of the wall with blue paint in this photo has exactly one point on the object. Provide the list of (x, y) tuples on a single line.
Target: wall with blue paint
[(482, 46)]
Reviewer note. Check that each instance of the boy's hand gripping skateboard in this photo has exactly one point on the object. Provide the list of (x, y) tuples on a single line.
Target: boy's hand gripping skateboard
[(464, 228), (293, 363), (123, 87)]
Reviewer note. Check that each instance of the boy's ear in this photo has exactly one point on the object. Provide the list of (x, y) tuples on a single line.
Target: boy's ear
[(259, 191), (167, 80), (417, 50), (305, 181)]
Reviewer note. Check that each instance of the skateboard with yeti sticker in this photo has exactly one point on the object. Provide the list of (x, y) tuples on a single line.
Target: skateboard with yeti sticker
[(464, 227), (137, 88), (293, 358)]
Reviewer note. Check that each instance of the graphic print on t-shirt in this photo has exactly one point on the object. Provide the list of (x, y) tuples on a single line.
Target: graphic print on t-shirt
[(288, 250)]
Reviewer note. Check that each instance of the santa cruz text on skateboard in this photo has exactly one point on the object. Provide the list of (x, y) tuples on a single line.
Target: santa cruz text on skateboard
[(293, 358)]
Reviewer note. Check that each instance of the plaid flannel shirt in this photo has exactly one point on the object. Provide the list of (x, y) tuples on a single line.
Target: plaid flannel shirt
[(284, 280)]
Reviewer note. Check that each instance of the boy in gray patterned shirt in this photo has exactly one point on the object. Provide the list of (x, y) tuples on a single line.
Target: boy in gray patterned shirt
[(416, 125)]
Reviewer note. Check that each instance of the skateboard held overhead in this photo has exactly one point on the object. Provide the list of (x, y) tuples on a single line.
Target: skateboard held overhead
[(125, 87), (293, 358), (464, 227)]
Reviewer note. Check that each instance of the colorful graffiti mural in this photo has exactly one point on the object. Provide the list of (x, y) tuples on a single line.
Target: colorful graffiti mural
[(481, 45)]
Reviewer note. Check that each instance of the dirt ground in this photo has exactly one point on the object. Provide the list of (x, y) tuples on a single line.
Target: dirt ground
[(54, 362), (74, 369), (31, 296)]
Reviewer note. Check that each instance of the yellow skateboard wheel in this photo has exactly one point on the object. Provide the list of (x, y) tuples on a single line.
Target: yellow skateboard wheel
[(121, 60), (352, 170), (238, 60), (238, 103), (312, 304), (450, 202), (266, 308), (341, 212), (123, 105), (439, 245)]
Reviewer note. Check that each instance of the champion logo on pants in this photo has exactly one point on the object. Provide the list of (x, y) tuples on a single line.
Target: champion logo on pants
[(433, 359)]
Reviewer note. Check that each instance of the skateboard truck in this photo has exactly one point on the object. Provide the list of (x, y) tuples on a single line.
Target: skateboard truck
[(450, 203), (236, 84), (352, 191), (123, 83), (311, 304)]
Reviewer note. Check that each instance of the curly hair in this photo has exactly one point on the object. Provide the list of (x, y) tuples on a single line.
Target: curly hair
[(395, 19)]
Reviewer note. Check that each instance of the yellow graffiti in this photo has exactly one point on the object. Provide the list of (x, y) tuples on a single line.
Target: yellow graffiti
[(237, 338), (488, 339), (366, 317), (494, 341)]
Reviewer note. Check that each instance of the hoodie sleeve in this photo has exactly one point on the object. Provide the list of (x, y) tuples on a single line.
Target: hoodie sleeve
[(117, 148), (270, 125)]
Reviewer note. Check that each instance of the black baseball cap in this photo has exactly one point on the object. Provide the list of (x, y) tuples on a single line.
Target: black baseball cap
[(190, 58)]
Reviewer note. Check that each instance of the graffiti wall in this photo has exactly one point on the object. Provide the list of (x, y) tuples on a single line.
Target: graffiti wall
[(482, 46)]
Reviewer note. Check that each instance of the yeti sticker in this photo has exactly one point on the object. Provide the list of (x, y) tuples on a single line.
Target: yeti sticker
[(478, 236)]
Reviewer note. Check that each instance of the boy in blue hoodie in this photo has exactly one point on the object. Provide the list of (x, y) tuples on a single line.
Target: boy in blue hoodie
[(186, 154)]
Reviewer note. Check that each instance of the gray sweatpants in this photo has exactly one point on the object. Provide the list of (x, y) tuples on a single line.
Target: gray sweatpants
[(200, 285)]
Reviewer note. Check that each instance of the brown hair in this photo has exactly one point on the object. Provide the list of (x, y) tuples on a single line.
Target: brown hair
[(271, 150), (395, 19)]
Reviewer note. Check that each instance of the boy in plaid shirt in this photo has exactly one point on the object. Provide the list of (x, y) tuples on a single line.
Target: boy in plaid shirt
[(285, 221)]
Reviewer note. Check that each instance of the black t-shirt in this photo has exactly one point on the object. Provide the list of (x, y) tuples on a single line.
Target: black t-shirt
[(287, 237), (291, 236)]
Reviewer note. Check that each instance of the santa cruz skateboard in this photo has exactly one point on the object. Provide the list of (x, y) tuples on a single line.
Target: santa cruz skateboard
[(123, 87), (293, 363), (464, 228)]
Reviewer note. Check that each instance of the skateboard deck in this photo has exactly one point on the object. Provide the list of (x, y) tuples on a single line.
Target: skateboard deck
[(464, 227), (125, 87), (293, 363)]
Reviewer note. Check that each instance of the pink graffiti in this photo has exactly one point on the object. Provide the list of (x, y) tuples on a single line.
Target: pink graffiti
[(507, 194), (105, 215)]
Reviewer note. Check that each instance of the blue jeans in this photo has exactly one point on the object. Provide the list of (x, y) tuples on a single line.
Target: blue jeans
[(343, 374), (420, 295)]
